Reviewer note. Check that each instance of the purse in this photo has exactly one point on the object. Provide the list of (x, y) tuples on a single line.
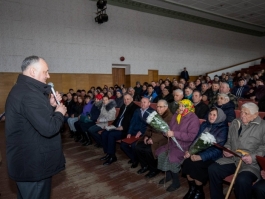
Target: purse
[(84, 119)]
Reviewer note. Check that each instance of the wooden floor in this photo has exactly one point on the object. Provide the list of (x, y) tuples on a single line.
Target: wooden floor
[(86, 177)]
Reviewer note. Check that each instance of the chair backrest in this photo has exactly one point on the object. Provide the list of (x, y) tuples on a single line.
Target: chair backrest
[(117, 112), (241, 102), (262, 114), (137, 103), (237, 112), (153, 106)]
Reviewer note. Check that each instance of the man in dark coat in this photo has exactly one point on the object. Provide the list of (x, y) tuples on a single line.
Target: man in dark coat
[(33, 144), (201, 109), (185, 74)]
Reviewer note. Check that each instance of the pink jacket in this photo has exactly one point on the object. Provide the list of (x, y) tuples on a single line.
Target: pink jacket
[(185, 133)]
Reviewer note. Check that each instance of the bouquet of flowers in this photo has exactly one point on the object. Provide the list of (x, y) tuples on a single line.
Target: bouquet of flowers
[(203, 142), (155, 121)]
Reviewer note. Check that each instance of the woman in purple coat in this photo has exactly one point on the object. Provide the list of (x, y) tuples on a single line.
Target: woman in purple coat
[(184, 126)]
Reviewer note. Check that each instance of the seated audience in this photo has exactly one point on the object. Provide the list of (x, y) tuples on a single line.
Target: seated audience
[(165, 95), (76, 112), (241, 89), (119, 98), (84, 123), (201, 109), (122, 123), (213, 93), (184, 126), (137, 128), (188, 93), (151, 94), (224, 103), (247, 134), (137, 88), (135, 96), (224, 88), (195, 167), (144, 91), (260, 90), (178, 96), (152, 140), (107, 113)]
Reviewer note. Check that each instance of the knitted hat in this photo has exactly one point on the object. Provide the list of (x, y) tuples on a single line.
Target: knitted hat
[(99, 97)]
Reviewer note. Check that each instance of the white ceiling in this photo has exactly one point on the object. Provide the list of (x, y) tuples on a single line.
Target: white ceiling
[(242, 13)]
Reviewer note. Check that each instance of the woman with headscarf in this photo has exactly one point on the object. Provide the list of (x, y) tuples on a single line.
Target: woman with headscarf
[(184, 126), (195, 167)]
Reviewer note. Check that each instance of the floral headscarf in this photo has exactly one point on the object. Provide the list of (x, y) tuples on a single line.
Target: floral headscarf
[(189, 107)]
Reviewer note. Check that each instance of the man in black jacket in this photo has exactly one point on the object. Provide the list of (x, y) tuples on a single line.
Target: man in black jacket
[(33, 144), (201, 109)]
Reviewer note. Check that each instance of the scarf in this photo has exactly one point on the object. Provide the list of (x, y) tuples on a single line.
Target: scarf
[(189, 107)]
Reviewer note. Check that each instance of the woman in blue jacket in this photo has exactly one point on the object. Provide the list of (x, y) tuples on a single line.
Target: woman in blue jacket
[(195, 167)]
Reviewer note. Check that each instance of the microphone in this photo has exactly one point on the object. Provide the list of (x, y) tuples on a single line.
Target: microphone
[(53, 92)]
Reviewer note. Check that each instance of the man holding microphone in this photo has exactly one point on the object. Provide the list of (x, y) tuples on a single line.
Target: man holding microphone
[(33, 120)]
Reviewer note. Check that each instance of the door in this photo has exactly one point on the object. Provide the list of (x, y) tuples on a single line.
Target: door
[(153, 75), (118, 76)]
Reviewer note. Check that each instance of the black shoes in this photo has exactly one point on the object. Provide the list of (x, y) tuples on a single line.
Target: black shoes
[(106, 157), (143, 170), (152, 174), (190, 194), (110, 160), (134, 165)]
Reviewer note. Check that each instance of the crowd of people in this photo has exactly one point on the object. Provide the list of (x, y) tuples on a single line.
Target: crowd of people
[(180, 104), (106, 115)]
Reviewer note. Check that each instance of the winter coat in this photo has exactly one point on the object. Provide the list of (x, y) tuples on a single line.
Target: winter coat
[(251, 140), (219, 129), (184, 132), (157, 137), (229, 110), (119, 102), (128, 114), (33, 142), (138, 122), (107, 113), (87, 108)]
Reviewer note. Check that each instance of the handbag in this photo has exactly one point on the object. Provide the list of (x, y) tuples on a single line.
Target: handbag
[(84, 119)]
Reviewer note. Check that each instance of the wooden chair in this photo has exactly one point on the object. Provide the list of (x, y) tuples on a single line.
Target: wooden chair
[(262, 114), (153, 105), (241, 102), (137, 103), (237, 112)]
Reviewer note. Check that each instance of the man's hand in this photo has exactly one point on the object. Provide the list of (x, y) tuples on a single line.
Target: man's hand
[(120, 128), (61, 108), (129, 136), (52, 99), (138, 134), (187, 155), (262, 173), (195, 158), (247, 159), (228, 155), (145, 139), (150, 141)]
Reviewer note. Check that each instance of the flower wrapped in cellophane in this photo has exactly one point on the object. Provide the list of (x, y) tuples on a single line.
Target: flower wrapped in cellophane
[(155, 121), (203, 142)]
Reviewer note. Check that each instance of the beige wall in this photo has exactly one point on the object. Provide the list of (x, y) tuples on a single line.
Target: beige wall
[(62, 82)]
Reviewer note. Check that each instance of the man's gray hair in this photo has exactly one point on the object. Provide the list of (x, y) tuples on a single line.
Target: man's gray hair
[(227, 85), (29, 60), (164, 101), (252, 107), (130, 88), (224, 96), (178, 91)]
